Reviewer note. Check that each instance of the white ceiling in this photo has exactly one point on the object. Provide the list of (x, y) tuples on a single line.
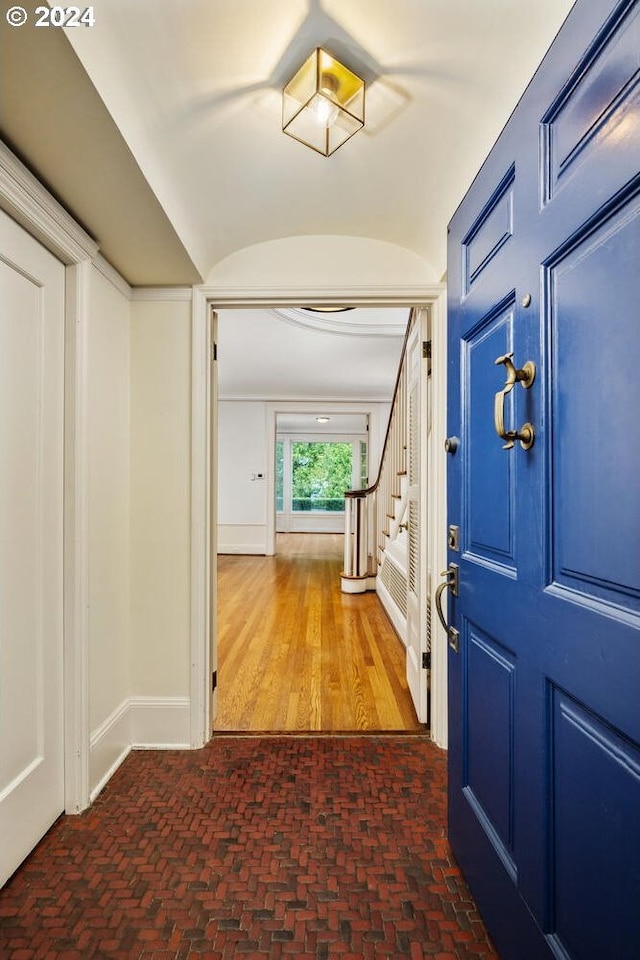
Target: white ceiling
[(339, 424), (272, 355), (168, 146), (159, 128)]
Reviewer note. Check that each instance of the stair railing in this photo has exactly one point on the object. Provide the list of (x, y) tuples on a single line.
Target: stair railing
[(370, 512)]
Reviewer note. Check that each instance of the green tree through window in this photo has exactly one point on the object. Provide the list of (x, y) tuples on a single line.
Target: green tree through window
[(320, 474)]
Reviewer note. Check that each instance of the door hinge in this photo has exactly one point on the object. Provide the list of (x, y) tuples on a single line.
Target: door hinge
[(214, 350), (426, 660), (214, 680), (426, 349)]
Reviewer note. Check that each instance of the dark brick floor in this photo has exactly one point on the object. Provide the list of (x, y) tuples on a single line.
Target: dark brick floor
[(254, 847)]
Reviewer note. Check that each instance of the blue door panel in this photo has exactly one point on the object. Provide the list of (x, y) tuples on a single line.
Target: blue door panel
[(488, 763), (490, 231), (595, 804), (488, 535), (595, 109), (544, 702), (593, 653), (584, 313)]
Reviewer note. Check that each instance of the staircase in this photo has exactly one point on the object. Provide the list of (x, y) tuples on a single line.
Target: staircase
[(376, 541)]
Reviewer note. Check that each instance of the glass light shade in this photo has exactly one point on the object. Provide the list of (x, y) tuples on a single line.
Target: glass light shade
[(323, 104)]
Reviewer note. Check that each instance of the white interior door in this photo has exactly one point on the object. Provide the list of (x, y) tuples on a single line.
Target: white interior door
[(416, 636), (31, 542)]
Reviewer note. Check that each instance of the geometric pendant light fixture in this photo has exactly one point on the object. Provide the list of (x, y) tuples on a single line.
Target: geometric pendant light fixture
[(323, 104)]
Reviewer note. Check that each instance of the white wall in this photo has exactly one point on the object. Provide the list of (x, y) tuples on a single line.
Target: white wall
[(246, 433), (108, 516), (242, 452)]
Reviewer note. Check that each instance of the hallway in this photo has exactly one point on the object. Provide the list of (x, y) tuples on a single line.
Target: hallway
[(305, 848), (296, 654)]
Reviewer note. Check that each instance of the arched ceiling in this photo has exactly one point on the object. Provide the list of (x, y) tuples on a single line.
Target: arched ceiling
[(165, 138)]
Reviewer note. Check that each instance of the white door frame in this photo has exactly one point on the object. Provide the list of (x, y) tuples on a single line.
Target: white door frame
[(203, 535), (24, 199), (296, 406)]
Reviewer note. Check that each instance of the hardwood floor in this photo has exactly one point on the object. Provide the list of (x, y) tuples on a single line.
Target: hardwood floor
[(296, 654)]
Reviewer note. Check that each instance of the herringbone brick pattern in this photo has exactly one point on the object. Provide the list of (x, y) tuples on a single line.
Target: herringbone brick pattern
[(304, 848)]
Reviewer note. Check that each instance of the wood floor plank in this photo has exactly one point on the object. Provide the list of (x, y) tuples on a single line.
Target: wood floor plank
[(295, 654)]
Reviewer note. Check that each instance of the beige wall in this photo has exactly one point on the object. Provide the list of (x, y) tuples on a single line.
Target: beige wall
[(139, 393), (160, 492)]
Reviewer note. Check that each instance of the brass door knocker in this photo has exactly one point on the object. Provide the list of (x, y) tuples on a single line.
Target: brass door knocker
[(525, 375)]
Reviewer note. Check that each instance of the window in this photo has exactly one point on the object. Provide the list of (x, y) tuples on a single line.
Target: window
[(312, 474), (321, 472), (364, 465)]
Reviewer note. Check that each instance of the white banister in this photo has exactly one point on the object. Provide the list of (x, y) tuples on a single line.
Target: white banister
[(348, 525)]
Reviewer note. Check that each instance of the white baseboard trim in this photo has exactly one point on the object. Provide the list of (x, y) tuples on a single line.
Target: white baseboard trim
[(160, 723), (110, 772), (398, 621), (242, 548), (249, 538), (109, 744), (139, 723)]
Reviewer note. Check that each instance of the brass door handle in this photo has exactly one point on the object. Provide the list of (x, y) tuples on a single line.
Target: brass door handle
[(525, 375), (451, 573)]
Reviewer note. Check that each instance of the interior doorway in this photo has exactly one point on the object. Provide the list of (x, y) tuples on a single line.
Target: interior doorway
[(283, 468), (205, 474)]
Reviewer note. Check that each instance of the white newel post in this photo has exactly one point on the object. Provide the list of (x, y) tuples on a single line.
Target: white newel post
[(354, 577)]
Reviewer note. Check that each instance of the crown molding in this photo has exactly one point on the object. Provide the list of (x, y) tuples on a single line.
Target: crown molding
[(343, 327), (111, 274), (297, 399), (369, 295), (25, 199)]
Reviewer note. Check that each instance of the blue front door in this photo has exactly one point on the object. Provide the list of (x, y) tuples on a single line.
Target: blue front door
[(544, 660)]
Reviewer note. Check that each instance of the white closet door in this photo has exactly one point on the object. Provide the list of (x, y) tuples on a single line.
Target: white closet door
[(416, 639), (31, 542)]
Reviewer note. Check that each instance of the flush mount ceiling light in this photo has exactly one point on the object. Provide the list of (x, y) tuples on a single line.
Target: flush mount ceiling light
[(323, 419), (323, 104), (327, 309)]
